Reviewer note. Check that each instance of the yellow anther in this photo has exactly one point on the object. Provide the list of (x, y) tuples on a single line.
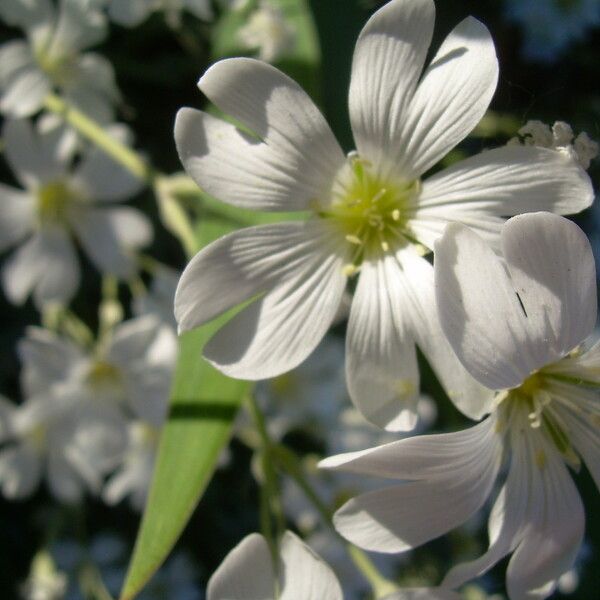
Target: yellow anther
[(353, 239), (385, 246), (349, 270), (396, 214)]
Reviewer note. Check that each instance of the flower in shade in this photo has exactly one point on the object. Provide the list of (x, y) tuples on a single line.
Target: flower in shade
[(61, 203), (52, 60), (520, 328), (372, 216)]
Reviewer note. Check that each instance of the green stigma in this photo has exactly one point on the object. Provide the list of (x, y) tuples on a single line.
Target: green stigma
[(371, 213)]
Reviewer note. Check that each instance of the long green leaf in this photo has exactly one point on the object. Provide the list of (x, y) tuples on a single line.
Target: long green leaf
[(203, 405)]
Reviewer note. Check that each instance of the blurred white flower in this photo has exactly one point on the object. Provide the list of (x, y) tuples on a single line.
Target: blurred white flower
[(371, 215), (73, 426), (61, 202), (158, 300), (130, 13), (51, 58), (517, 326), (268, 31), (71, 442), (45, 582)]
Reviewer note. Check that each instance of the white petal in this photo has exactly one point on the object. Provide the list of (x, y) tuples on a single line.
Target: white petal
[(111, 235), (554, 531), (25, 93), (292, 156), (129, 13), (240, 265), (46, 264), (245, 574), (131, 340), (303, 574), (63, 481), (17, 215), (506, 522), (79, 25), (455, 475), (20, 471), (480, 312), (469, 396), (14, 56), (504, 182), (451, 98), (26, 14), (47, 359), (381, 362), (103, 179), (552, 267), (277, 332), (32, 157), (387, 63)]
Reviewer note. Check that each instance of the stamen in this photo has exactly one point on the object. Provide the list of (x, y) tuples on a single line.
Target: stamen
[(396, 214), (354, 240), (349, 270)]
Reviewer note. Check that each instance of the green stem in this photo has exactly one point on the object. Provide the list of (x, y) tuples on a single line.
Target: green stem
[(289, 462), (121, 153), (270, 493)]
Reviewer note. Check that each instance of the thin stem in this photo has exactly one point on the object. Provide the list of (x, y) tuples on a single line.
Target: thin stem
[(270, 493), (290, 463), (121, 153)]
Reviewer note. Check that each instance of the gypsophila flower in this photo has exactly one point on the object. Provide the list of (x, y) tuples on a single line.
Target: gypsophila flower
[(372, 215), (60, 203), (51, 58), (519, 327), (560, 137), (268, 31), (131, 13)]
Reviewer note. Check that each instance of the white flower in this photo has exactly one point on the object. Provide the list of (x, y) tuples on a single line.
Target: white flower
[(51, 58), (517, 327), (248, 572), (268, 31), (370, 212), (71, 442), (158, 300), (61, 202), (130, 13)]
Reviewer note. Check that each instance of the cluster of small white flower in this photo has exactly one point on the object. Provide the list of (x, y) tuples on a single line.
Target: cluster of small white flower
[(471, 265)]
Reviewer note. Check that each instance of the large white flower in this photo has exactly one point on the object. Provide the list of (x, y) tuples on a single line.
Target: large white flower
[(370, 212), (518, 327), (51, 58), (248, 572), (60, 203)]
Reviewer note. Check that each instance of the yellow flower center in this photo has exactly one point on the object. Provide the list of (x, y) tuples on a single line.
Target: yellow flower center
[(103, 374), (53, 201), (371, 213), (535, 397), (58, 66)]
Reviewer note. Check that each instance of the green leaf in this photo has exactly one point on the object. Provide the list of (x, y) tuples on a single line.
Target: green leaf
[(301, 61), (203, 405)]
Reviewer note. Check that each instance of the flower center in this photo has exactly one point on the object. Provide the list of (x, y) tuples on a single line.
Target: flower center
[(371, 213), (533, 398), (58, 65), (103, 374), (53, 201)]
